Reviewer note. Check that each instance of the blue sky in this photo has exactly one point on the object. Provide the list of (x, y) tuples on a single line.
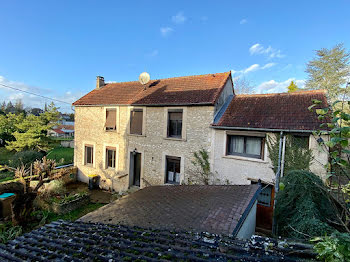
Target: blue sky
[(57, 48)]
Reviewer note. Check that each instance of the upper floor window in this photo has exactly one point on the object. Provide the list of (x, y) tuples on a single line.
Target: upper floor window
[(175, 123), (110, 157), (136, 118), (111, 119), (248, 146), (89, 155)]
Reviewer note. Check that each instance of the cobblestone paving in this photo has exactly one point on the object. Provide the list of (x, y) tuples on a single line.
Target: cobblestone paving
[(214, 209)]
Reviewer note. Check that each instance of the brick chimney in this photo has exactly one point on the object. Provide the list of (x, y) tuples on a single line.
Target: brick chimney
[(100, 82)]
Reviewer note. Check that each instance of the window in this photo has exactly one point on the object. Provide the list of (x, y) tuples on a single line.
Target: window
[(173, 170), (175, 123), (264, 197), (248, 146), (111, 119), (89, 155), (136, 117), (110, 157), (301, 141)]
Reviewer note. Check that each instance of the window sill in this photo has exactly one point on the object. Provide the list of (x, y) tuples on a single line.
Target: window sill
[(136, 135), (174, 139), (88, 165), (246, 159)]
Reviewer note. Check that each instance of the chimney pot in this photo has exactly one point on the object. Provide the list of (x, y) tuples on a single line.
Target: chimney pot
[(100, 82)]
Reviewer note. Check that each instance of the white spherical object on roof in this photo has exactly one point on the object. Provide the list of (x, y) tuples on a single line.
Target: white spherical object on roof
[(144, 78)]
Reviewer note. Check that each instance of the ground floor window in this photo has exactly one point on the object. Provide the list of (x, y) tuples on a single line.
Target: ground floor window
[(173, 170), (89, 155), (110, 157), (248, 146)]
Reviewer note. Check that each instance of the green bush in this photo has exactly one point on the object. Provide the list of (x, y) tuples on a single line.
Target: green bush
[(303, 208), (333, 248), (25, 157)]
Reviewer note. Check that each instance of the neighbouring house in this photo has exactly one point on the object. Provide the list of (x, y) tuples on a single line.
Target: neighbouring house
[(135, 135), (239, 147), (65, 131), (139, 135)]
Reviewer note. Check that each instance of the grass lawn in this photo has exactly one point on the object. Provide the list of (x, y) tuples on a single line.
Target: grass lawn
[(5, 155), (62, 155), (75, 214)]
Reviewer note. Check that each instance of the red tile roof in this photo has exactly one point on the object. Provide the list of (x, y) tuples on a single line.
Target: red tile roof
[(58, 131), (199, 89), (287, 111)]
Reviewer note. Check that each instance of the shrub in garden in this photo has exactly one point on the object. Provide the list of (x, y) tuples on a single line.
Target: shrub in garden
[(25, 157), (303, 208)]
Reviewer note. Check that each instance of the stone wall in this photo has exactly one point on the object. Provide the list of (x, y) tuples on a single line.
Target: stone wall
[(153, 144)]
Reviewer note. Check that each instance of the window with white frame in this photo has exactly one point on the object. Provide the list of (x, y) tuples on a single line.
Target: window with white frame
[(110, 157), (175, 123), (89, 155), (247, 146), (172, 170), (111, 119)]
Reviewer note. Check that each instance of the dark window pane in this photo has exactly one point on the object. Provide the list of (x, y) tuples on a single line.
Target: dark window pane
[(88, 155), (248, 146), (175, 124)]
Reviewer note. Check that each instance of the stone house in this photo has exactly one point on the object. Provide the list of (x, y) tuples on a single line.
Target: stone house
[(135, 135)]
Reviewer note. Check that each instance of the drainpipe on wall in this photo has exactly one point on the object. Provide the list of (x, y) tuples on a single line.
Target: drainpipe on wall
[(277, 182), (283, 154)]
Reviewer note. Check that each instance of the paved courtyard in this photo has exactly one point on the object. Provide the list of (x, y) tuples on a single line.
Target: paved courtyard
[(215, 209)]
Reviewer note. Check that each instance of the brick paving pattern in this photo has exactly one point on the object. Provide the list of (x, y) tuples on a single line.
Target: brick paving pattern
[(214, 209)]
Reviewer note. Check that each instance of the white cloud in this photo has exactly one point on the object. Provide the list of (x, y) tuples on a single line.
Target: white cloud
[(153, 53), (273, 86), (179, 18), (29, 100), (268, 65), (259, 49), (243, 21), (252, 68), (166, 30)]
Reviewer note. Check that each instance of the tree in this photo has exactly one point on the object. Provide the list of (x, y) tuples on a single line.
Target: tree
[(243, 86), (10, 108), (292, 87), (19, 107), (8, 126), (330, 70), (31, 132)]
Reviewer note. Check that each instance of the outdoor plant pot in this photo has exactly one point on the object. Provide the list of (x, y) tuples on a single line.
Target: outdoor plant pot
[(63, 208)]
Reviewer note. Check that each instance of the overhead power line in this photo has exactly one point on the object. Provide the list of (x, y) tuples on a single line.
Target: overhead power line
[(53, 99)]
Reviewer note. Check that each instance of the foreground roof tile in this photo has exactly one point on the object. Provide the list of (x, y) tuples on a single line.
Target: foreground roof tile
[(78, 241)]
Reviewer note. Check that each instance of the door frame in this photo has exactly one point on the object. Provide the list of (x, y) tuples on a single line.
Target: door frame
[(129, 164)]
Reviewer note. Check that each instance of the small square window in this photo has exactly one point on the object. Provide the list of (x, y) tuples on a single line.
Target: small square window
[(172, 170), (175, 124), (89, 155), (110, 157)]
